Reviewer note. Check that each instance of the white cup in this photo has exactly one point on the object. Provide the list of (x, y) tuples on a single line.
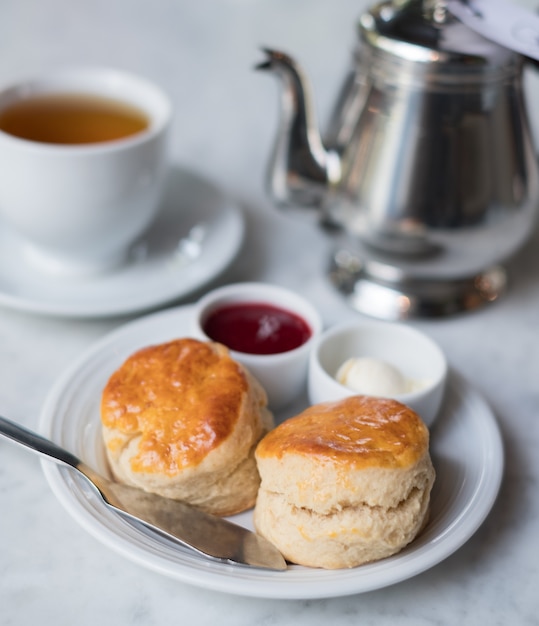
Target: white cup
[(78, 207), (283, 375)]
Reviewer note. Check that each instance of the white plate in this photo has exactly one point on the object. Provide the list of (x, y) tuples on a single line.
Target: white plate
[(196, 235), (466, 449)]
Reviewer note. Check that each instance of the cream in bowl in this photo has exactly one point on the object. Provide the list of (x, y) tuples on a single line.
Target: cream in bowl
[(269, 329), (378, 359)]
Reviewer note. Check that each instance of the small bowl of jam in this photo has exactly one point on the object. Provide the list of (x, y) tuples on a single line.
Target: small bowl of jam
[(267, 328)]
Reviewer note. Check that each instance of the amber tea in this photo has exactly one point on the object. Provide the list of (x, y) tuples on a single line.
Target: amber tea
[(70, 118)]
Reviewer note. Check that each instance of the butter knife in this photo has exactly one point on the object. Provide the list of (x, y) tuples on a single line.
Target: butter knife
[(210, 536)]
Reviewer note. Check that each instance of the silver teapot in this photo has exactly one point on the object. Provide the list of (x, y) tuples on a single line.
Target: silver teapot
[(427, 170)]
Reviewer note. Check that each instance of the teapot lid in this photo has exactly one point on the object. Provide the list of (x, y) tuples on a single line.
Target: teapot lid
[(424, 31)]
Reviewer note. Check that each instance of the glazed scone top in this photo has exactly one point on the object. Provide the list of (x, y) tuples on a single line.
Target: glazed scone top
[(183, 398), (360, 431)]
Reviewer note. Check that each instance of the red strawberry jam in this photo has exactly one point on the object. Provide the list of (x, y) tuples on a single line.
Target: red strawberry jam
[(257, 328)]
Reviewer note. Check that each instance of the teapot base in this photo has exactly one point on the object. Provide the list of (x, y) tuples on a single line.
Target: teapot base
[(384, 291)]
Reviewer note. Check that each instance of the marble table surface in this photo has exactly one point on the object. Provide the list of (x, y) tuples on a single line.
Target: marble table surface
[(51, 570)]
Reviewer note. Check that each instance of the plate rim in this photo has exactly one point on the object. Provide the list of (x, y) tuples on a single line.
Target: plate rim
[(234, 579)]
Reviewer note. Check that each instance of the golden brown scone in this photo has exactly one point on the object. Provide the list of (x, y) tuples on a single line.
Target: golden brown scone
[(344, 483), (182, 419)]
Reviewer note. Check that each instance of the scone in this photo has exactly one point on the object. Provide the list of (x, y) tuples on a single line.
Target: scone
[(182, 419), (344, 483)]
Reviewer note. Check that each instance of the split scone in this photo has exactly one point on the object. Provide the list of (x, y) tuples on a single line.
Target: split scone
[(344, 483), (182, 419)]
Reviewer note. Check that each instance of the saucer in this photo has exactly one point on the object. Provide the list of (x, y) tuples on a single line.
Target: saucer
[(196, 235)]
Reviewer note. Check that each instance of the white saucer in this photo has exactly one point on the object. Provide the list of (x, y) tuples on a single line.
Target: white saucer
[(466, 449), (196, 235)]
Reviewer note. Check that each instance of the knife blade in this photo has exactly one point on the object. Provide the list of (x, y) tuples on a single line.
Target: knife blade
[(210, 536)]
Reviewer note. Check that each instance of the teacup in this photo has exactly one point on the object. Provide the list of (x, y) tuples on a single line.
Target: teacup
[(78, 201)]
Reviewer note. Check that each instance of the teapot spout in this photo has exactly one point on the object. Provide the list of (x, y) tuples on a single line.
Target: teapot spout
[(301, 170)]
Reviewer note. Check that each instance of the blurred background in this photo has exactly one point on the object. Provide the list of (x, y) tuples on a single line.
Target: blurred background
[(203, 55)]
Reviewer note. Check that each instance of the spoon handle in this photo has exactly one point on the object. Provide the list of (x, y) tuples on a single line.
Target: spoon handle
[(35, 442)]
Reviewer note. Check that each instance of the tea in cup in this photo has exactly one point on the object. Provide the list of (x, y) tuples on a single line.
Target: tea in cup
[(83, 162)]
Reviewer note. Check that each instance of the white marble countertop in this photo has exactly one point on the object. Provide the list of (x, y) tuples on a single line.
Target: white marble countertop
[(51, 570)]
